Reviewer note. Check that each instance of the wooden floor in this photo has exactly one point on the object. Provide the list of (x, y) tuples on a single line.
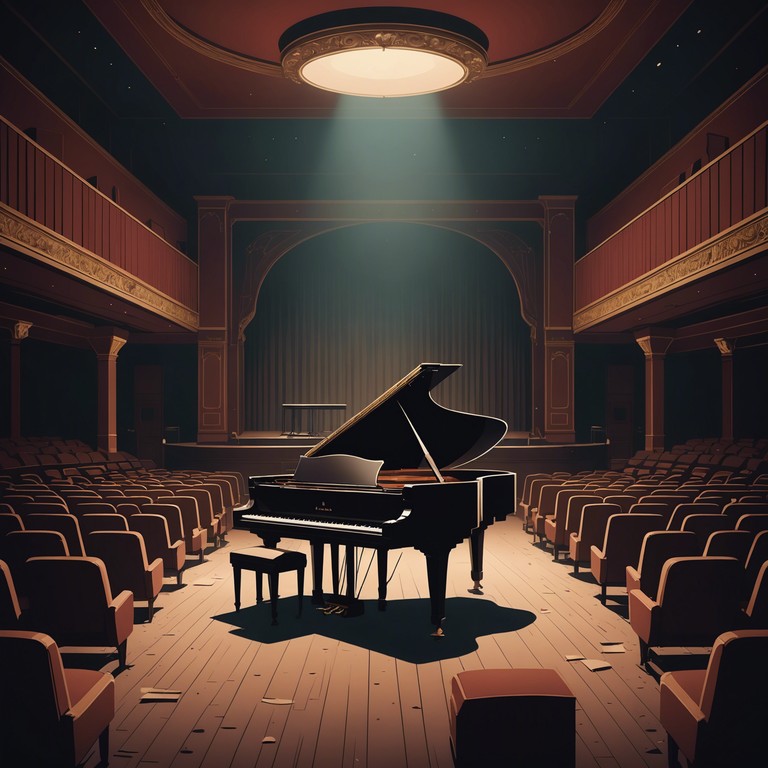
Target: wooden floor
[(372, 691)]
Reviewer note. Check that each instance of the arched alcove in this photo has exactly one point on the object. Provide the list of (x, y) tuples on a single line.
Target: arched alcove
[(343, 315)]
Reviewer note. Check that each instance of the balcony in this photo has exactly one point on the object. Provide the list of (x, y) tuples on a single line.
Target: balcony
[(707, 227), (59, 221)]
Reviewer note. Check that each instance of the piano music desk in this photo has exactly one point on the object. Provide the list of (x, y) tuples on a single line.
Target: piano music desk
[(273, 562)]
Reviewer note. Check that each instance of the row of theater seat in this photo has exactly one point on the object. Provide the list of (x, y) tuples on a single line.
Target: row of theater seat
[(118, 535), (665, 542), (78, 551), (709, 459)]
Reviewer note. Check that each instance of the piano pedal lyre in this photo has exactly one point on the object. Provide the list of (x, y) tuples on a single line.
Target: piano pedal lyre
[(341, 605)]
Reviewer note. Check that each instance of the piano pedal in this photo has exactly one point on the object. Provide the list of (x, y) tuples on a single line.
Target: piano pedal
[(477, 589)]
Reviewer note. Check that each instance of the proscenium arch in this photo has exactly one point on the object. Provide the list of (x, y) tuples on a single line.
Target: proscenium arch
[(268, 248), (519, 258)]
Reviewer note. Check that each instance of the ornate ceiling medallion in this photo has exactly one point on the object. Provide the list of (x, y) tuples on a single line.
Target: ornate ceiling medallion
[(383, 52)]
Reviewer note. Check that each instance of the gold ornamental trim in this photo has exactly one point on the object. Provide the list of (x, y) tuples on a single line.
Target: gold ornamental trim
[(52, 249), (438, 41), (561, 48), (724, 250), (207, 48)]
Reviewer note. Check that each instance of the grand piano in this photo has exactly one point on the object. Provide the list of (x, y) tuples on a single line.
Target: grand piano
[(390, 477)]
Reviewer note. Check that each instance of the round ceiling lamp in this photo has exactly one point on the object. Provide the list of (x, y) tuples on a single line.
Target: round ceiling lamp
[(383, 52)]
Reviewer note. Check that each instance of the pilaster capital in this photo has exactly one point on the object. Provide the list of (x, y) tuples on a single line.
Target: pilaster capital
[(107, 342), (654, 344), (20, 330), (726, 346)]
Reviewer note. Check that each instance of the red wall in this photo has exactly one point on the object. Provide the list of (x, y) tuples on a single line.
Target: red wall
[(744, 112), (25, 107)]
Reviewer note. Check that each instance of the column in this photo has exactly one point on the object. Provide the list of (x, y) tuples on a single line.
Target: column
[(214, 265), (559, 252), (654, 346), (19, 332), (726, 347), (106, 343)]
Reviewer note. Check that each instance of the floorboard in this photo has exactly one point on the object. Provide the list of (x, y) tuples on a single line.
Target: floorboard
[(372, 691)]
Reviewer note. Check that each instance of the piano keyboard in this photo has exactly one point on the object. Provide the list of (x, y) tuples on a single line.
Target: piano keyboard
[(321, 525)]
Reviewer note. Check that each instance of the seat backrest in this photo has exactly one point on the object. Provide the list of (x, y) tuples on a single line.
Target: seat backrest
[(538, 489), (31, 667), (549, 497), (758, 554), (67, 525), (154, 530), (735, 509), (663, 508), (729, 544), (681, 511), (657, 548), (10, 612), (172, 514), (38, 507), (106, 522), (624, 538), (94, 508), (69, 597), (19, 546), (10, 521), (562, 499), (594, 519), (699, 596), (204, 503), (623, 500), (757, 607), (752, 522), (733, 699), (575, 509), (127, 509), (125, 557), (525, 497), (703, 525)]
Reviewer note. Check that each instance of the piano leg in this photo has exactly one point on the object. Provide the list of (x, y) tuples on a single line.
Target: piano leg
[(334, 568), (381, 563), (437, 577), (318, 549), (476, 541), (349, 558)]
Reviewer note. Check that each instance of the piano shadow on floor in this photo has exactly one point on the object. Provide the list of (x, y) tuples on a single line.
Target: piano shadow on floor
[(402, 631)]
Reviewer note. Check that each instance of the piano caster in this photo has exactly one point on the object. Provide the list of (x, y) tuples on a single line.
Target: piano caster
[(438, 633)]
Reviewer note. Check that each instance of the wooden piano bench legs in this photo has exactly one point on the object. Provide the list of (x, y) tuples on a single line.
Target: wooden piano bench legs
[(514, 717), (273, 562)]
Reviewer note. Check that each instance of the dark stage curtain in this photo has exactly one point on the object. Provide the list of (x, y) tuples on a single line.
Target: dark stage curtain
[(345, 315)]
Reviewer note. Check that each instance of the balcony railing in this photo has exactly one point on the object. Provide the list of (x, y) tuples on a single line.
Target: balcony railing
[(726, 191), (39, 186)]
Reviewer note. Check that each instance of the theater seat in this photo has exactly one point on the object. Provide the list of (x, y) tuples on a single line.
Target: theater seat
[(623, 541), (71, 600), (658, 547), (125, 557), (698, 600), (51, 716), (716, 717)]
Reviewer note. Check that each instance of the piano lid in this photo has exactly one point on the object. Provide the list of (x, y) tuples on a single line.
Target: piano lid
[(399, 425)]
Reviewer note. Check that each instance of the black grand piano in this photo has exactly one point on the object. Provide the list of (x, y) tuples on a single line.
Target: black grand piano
[(388, 478)]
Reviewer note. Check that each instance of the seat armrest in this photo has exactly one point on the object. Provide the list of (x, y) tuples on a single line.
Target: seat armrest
[(633, 578), (679, 714), (643, 614), (122, 609)]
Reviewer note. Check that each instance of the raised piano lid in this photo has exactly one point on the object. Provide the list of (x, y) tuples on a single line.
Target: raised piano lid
[(401, 424)]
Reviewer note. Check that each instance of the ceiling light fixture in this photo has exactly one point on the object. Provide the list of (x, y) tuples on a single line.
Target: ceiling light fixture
[(383, 52)]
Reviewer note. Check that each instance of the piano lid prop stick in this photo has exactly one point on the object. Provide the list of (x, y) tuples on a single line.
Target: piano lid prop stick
[(427, 455)]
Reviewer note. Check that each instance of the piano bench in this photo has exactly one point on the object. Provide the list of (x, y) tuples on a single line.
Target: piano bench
[(513, 717), (273, 562)]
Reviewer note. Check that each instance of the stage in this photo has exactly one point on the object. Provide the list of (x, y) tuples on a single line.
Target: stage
[(269, 453)]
